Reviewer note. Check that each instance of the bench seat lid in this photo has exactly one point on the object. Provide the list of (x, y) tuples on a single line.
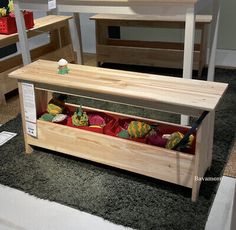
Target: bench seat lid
[(169, 92)]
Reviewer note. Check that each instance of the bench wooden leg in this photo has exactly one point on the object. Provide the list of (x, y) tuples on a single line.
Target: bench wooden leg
[(195, 191), (2, 99), (203, 153), (211, 122), (28, 148)]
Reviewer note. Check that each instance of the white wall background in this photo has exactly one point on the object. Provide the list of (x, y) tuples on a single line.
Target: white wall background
[(227, 26), (88, 33)]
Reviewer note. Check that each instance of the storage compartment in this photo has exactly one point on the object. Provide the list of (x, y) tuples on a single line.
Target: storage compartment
[(149, 160), (116, 123), (132, 154)]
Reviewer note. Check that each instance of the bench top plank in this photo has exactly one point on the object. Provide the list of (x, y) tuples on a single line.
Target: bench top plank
[(42, 24), (138, 17), (172, 91)]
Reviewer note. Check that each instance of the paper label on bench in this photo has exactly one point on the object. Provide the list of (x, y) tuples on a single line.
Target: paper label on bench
[(52, 4), (31, 129), (29, 102)]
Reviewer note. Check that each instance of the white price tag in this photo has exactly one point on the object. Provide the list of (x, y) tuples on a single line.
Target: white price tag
[(29, 102), (29, 105), (31, 129), (52, 4)]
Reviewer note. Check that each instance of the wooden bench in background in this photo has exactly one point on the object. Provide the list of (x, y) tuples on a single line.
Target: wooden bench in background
[(148, 53), (60, 46)]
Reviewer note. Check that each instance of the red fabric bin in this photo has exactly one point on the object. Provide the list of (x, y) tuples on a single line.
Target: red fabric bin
[(8, 23)]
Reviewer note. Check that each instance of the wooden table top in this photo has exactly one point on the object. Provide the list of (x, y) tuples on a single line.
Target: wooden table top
[(187, 93)]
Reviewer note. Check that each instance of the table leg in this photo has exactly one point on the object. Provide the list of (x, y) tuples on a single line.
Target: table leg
[(2, 99), (203, 153), (213, 40), (23, 40), (28, 148), (188, 50), (76, 37), (55, 36)]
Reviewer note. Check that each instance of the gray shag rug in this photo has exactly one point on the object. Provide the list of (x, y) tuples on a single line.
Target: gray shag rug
[(121, 197)]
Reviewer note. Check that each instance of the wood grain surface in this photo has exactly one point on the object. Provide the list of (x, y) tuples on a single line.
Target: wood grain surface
[(174, 91)]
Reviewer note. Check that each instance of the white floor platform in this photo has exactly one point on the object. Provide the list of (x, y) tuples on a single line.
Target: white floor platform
[(220, 217), (20, 211)]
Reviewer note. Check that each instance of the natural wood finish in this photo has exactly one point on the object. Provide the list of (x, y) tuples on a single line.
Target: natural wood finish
[(194, 94), (124, 154), (147, 53), (65, 52), (59, 46), (143, 18), (150, 24), (202, 154), (7, 84), (11, 109), (47, 52), (28, 148), (64, 35), (143, 56), (151, 21), (149, 44), (101, 33), (210, 122), (2, 98), (55, 38), (41, 100), (140, 103), (172, 166), (17, 59)]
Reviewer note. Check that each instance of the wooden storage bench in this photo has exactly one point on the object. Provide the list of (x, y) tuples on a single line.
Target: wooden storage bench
[(58, 47), (182, 96), (149, 53)]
